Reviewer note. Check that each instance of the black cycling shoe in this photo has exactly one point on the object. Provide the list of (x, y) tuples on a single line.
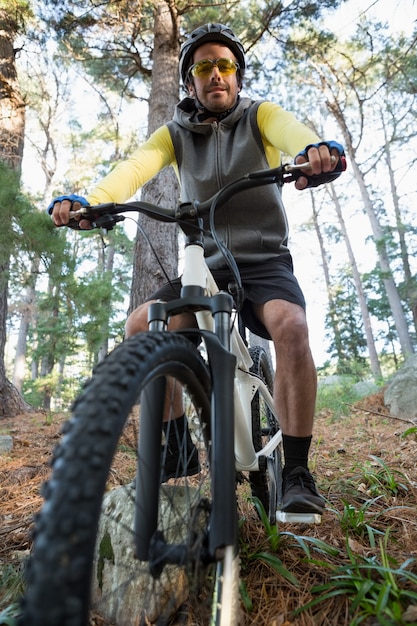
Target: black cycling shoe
[(173, 463), (299, 493)]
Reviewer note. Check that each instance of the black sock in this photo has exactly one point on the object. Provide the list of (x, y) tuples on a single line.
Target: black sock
[(296, 451), (175, 430)]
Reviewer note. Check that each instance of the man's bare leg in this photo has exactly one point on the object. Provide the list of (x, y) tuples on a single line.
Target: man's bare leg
[(175, 424), (295, 383), (295, 389), (138, 322)]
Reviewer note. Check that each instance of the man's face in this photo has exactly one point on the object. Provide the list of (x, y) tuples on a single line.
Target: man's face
[(216, 92)]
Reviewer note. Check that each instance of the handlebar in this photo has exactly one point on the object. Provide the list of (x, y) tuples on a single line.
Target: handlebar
[(108, 214)]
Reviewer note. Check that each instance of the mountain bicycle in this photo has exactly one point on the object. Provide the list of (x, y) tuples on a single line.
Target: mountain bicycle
[(182, 555)]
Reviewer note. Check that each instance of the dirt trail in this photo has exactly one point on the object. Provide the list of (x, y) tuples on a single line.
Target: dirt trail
[(348, 458)]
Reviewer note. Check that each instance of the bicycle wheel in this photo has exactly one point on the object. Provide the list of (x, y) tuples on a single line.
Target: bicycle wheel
[(83, 560), (266, 483)]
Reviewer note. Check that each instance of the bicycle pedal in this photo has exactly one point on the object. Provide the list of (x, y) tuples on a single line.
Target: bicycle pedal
[(298, 518)]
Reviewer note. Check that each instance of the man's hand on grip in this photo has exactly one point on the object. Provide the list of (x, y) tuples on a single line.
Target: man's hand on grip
[(60, 207), (324, 169)]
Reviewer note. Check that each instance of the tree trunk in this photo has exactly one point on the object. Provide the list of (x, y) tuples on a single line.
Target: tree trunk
[(390, 286), (410, 285), (334, 324), (12, 126), (12, 106), (373, 355), (108, 269), (384, 265), (163, 189), (26, 316)]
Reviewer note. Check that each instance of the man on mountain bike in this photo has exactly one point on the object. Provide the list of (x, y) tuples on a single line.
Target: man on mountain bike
[(228, 135)]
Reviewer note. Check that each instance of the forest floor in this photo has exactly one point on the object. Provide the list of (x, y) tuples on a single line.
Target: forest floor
[(366, 466)]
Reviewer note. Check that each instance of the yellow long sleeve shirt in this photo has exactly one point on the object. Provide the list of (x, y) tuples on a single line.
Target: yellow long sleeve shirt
[(280, 130), (206, 156)]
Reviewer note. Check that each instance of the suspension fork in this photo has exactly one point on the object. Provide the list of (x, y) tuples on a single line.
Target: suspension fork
[(223, 523), (223, 368), (222, 363)]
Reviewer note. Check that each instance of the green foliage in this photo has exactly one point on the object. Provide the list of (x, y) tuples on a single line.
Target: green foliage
[(268, 557), (377, 587), (270, 530), (410, 431), (78, 311), (9, 615), (13, 206), (356, 520), (63, 388), (11, 589), (111, 41), (25, 231), (336, 398), (344, 321), (13, 15), (94, 294), (114, 41), (312, 546), (380, 479), (105, 553), (379, 307), (245, 596)]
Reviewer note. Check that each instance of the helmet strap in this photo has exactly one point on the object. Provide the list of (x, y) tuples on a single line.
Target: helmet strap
[(204, 113)]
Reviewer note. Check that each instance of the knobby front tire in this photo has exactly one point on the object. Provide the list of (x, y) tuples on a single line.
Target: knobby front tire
[(79, 561)]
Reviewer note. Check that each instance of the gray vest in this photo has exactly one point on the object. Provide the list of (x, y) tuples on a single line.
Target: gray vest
[(253, 224)]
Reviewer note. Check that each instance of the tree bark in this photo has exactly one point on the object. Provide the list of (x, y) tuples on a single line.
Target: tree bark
[(378, 234), (163, 189), (12, 127), (370, 342), (26, 305), (409, 282), (334, 324)]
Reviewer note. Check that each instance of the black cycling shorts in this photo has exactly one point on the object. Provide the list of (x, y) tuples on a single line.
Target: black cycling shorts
[(271, 280)]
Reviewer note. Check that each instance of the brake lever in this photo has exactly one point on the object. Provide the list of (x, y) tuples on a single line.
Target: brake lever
[(106, 221), (293, 171), (292, 167)]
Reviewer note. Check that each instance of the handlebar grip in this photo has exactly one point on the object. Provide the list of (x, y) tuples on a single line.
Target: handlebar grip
[(295, 171), (72, 223), (292, 171), (273, 175)]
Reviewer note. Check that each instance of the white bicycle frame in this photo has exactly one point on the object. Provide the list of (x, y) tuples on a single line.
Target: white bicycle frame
[(196, 272)]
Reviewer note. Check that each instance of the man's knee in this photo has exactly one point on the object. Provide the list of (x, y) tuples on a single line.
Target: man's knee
[(289, 330), (295, 325), (137, 321)]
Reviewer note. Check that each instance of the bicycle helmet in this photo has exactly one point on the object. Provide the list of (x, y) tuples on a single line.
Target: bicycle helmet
[(210, 32)]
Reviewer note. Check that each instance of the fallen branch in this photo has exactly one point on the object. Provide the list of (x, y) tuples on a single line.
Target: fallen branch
[(9, 529), (389, 415)]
